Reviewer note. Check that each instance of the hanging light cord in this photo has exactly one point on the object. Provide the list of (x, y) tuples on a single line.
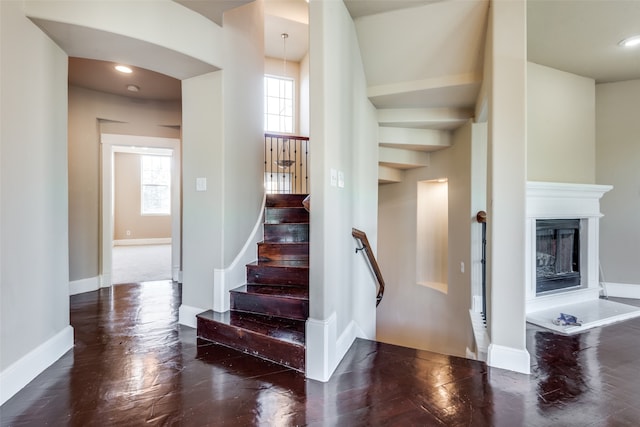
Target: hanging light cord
[(284, 36)]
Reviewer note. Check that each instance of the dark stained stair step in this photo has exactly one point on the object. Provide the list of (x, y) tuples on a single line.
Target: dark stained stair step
[(285, 215), (283, 251), (285, 200), (287, 302), (285, 272), (278, 340), (286, 233)]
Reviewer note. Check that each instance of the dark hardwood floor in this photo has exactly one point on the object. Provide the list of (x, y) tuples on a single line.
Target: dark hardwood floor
[(132, 365)]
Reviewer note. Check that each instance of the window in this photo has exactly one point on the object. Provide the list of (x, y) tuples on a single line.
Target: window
[(156, 185), (278, 104)]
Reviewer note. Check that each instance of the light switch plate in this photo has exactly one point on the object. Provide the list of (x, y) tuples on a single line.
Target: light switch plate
[(334, 177), (340, 179), (201, 184)]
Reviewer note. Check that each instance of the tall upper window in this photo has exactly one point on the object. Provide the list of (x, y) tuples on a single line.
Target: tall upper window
[(278, 104), (156, 185)]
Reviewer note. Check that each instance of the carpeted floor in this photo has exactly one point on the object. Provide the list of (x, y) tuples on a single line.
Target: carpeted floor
[(142, 263)]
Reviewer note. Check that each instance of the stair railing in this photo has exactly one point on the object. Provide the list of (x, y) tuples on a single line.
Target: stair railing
[(361, 237), (481, 217), (286, 164)]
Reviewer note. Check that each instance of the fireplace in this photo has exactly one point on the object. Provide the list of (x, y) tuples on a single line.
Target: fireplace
[(557, 255), (562, 242)]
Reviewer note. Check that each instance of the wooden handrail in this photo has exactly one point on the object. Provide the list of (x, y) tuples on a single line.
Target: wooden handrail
[(366, 247), (285, 136)]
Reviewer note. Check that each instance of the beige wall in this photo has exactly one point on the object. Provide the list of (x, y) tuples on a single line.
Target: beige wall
[(90, 113), (560, 126), (344, 137), (429, 319), (127, 214), (222, 130), (618, 164), (34, 267)]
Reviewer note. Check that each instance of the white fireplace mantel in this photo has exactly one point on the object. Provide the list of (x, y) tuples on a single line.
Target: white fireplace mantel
[(553, 200)]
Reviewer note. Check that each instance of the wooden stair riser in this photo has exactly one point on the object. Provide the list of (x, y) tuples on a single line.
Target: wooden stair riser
[(253, 343), (283, 251), (269, 275), (286, 216), (286, 233), (284, 200), (270, 305)]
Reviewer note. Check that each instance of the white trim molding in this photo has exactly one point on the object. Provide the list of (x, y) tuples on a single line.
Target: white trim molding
[(187, 315), (509, 358), (622, 290), (135, 242), (321, 348), (233, 276), (20, 373), (112, 143), (84, 285)]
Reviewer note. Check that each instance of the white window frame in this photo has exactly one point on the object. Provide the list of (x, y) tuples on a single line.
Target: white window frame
[(280, 113), (143, 184)]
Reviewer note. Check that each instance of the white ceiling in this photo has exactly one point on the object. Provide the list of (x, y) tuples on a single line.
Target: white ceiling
[(101, 76), (426, 53), (581, 37)]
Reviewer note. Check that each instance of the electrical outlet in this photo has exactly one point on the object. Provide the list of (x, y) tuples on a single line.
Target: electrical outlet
[(128, 232)]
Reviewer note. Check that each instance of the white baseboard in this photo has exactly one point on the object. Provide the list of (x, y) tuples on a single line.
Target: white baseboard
[(509, 358), (176, 274), (187, 315), (135, 242), (347, 338), (321, 348), (622, 290), (20, 373), (84, 285), (105, 280)]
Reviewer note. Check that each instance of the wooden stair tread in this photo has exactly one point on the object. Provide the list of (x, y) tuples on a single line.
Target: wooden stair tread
[(283, 263), (269, 251), (286, 215), (289, 331), (284, 200), (288, 232), (282, 291)]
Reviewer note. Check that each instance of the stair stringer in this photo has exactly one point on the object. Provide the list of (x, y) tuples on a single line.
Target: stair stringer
[(233, 276)]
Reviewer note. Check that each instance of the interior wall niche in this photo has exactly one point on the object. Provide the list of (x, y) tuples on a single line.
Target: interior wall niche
[(432, 235)]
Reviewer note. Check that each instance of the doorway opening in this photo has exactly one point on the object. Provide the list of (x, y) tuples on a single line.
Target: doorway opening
[(140, 227)]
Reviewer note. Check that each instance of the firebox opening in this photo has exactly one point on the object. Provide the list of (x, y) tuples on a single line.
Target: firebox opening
[(557, 255)]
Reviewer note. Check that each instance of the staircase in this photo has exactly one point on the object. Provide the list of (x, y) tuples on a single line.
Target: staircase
[(268, 314)]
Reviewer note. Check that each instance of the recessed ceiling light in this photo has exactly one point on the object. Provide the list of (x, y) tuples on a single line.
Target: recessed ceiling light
[(124, 69), (630, 41), (133, 88)]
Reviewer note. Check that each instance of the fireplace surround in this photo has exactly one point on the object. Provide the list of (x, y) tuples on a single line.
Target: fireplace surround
[(565, 215)]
